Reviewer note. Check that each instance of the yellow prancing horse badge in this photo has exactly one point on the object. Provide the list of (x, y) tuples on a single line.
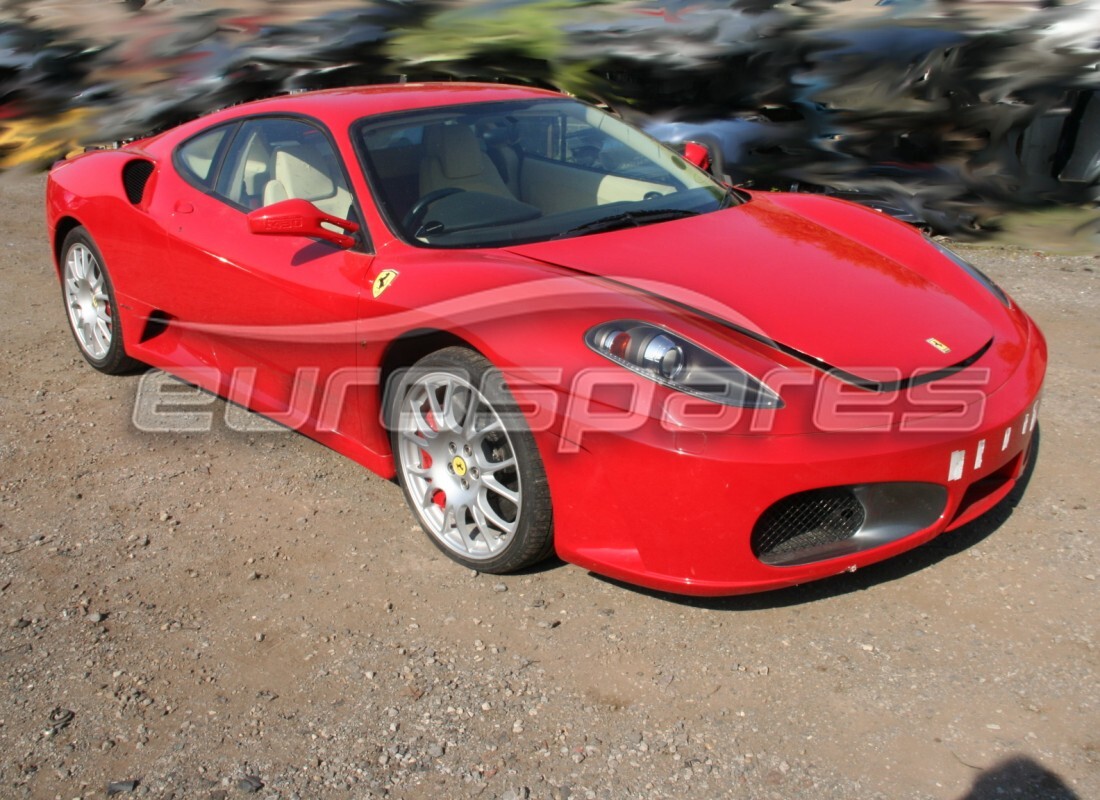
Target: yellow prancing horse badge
[(936, 343), (384, 280)]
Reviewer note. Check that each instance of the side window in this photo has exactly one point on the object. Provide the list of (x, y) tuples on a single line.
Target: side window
[(541, 136), (273, 159), (583, 144), (569, 140), (197, 156)]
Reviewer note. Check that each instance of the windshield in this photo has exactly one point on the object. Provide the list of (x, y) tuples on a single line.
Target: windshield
[(494, 174)]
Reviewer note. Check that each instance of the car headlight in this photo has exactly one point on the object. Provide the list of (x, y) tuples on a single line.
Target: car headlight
[(670, 360), (974, 273)]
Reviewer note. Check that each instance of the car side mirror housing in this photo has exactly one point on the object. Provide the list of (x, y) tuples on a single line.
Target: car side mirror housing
[(698, 154), (299, 217)]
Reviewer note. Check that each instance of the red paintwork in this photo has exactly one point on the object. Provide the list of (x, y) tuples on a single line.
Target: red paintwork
[(866, 282), (662, 505)]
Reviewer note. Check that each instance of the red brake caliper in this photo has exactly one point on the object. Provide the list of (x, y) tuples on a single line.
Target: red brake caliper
[(438, 497)]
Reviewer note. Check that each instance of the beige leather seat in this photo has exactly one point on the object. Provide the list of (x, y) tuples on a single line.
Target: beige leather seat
[(454, 159), (300, 171), (255, 173)]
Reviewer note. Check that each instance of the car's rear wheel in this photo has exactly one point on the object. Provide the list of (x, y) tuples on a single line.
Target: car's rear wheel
[(90, 304), (467, 462)]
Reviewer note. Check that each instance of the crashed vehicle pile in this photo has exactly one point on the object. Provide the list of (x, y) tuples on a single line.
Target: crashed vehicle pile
[(942, 117)]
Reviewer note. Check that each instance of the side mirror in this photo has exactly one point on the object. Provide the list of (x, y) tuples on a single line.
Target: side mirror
[(697, 154), (299, 217)]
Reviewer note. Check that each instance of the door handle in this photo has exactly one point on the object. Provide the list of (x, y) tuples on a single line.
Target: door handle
[(183, 207)]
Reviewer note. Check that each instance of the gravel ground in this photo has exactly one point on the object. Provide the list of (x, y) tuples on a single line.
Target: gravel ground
[(224, 614)]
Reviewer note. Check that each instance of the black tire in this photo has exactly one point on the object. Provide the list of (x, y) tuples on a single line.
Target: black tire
[(465, 458), (90, 306)]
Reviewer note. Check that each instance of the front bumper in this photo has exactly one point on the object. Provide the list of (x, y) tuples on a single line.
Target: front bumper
[(679, 515)]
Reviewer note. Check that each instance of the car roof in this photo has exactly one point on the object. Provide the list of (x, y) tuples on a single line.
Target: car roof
[(340, 107)]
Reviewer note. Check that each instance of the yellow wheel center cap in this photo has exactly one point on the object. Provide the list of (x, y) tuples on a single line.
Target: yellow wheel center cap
[(459, 466)]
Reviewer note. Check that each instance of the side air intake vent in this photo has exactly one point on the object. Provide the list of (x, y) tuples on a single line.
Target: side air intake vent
[(134, 177)]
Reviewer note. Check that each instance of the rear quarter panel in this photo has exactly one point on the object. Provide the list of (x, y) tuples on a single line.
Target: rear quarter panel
[(88, 191)]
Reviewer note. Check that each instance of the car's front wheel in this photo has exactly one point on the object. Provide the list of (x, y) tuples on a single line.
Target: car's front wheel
[(90, 304), (469, 465)]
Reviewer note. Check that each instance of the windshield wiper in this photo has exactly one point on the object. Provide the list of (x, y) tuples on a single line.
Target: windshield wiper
[(628, 219)]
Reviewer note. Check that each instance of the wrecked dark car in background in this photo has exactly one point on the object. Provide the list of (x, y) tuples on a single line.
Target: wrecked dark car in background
[(927, 120), (1053, 160)]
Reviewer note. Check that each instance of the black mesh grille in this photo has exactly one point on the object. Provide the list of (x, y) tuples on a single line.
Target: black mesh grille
[(134, 177), (806, 520)]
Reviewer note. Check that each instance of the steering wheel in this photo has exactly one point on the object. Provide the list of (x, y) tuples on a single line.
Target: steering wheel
[(416, 214)]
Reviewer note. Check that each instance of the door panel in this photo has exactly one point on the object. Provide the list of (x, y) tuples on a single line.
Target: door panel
[(277, 312)]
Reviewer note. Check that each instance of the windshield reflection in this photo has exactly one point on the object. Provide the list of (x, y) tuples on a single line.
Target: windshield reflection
[(503, 173)]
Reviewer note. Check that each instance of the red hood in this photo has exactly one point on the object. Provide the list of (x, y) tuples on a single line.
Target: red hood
[(789, 279)]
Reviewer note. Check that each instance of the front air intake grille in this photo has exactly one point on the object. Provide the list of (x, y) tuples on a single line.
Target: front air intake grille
[(134, 177), (806, 521)]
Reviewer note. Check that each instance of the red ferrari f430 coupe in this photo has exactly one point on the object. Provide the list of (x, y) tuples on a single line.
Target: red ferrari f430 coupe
[(558, 335)]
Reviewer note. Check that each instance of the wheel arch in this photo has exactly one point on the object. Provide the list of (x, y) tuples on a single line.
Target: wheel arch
[(65, 226), (410, 347)]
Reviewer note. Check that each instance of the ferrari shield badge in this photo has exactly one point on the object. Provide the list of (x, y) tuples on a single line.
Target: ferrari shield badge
[(936, 343), (383, 282)]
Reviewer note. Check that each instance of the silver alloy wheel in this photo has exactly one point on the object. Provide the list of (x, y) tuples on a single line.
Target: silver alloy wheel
[(459, 465), (90, 312)]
